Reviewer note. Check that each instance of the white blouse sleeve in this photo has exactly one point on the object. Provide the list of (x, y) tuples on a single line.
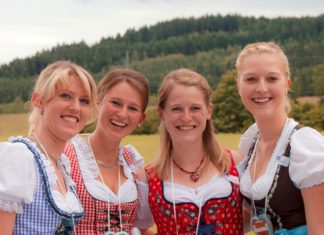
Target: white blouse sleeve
[(307, 158), (18, 177), (144, 218), (246, 139), (138, 160)]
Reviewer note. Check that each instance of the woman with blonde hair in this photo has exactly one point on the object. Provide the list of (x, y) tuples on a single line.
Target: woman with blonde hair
[(283, 167), (37, 195), (193, 187)]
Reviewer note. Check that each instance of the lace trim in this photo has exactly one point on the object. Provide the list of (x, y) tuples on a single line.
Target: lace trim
[(10, 206), (87, 161)]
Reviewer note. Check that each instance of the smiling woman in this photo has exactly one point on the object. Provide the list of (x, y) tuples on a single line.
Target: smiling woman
[(36, 193)]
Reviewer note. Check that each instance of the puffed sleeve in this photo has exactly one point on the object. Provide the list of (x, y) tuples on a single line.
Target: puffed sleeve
[(18, 177), (246, 139), (307, 158), (138, 160), (144, 218)]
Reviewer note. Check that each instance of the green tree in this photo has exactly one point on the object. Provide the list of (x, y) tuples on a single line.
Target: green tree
[(229, 113)]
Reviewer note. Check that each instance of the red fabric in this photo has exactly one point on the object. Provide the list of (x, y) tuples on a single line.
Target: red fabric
[(95, 220), (218, 215)]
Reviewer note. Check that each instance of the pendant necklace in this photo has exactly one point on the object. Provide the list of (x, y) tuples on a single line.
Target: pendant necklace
[(260, 223), (194, 175), (109, 232), (175, 209)]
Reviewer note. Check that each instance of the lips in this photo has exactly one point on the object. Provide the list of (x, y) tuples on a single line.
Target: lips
[(261, 100), (72, 119), (118, 123), (186, 128)]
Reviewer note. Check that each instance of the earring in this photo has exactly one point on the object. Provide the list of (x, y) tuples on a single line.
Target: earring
[(139, 125)]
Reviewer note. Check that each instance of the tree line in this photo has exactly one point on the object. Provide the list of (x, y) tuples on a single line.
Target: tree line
[(208, 45)]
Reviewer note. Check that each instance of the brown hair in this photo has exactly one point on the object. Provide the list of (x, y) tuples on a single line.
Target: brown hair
[(213, 151)]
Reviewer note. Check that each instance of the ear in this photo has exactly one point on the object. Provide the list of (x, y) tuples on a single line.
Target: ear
[(142, 119), (160, 112), (36, 100), (289, 83), (210, 111)]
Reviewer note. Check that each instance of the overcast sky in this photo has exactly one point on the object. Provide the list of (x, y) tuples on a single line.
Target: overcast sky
[(29, 26)]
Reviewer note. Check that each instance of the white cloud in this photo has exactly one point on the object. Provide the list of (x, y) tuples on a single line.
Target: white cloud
[(30, 26)]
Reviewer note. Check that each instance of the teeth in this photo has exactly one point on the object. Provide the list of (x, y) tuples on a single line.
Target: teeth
[(121, 124), (186, 128), (70, 119), (261, 100)]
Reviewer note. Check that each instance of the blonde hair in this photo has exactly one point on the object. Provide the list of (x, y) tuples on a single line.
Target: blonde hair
[(135, 79), (54, 76), (265, 47), (213, 151)]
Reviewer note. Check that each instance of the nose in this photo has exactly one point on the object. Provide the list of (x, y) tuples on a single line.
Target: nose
[(262, 86), (186, 116), (122, 112), (75, 105)]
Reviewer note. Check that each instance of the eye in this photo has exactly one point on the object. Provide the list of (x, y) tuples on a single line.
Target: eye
[(116, 103), (133, 109), (272, 78), (65, 95), (85, 101), (250, 79), (176, 109), (195, 108)]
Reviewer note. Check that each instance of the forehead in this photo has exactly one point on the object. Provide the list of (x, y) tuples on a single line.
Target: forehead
[(262, 61), (181, 93)]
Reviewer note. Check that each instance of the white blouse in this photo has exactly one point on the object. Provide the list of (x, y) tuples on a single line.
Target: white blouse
[(90, 173), (18, 179), (306, 164), (216, 187)]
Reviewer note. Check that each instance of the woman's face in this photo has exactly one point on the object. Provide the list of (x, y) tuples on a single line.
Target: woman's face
[(66, 114), (120, 111), (185, 114), (262, 85)]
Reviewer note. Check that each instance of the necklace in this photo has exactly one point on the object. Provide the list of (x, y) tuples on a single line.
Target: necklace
[(107, 165), (57, 161), (194, 175), (101, 163), (109, 232), (175, 209)]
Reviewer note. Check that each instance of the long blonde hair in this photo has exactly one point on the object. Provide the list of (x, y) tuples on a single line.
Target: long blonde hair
[(54, 76), (213, 151), (265, 47)]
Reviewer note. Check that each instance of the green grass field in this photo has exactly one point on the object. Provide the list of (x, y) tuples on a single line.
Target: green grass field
[(147, 145)]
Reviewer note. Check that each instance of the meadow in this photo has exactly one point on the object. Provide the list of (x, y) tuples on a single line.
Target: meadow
[(147, 145)]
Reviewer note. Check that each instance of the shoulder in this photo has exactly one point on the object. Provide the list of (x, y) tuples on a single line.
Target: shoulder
[(307, 157), (247, 139), (133, 158), (19, 169)]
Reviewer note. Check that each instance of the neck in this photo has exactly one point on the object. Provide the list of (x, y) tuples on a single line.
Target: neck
[(270, 130), (188, 158), (103, 149), (53, 146)]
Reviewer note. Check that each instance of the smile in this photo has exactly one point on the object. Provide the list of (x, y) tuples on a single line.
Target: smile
[(117, 123), (70, 119), (261, 100)]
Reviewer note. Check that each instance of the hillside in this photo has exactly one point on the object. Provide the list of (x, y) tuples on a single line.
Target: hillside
[(208, 45)]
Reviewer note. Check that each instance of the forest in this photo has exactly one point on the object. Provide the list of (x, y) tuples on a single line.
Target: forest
[(208, 45)]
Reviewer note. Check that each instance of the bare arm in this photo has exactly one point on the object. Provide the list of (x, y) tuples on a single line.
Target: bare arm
[(314, 207), (7, 222), (148, 231)]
